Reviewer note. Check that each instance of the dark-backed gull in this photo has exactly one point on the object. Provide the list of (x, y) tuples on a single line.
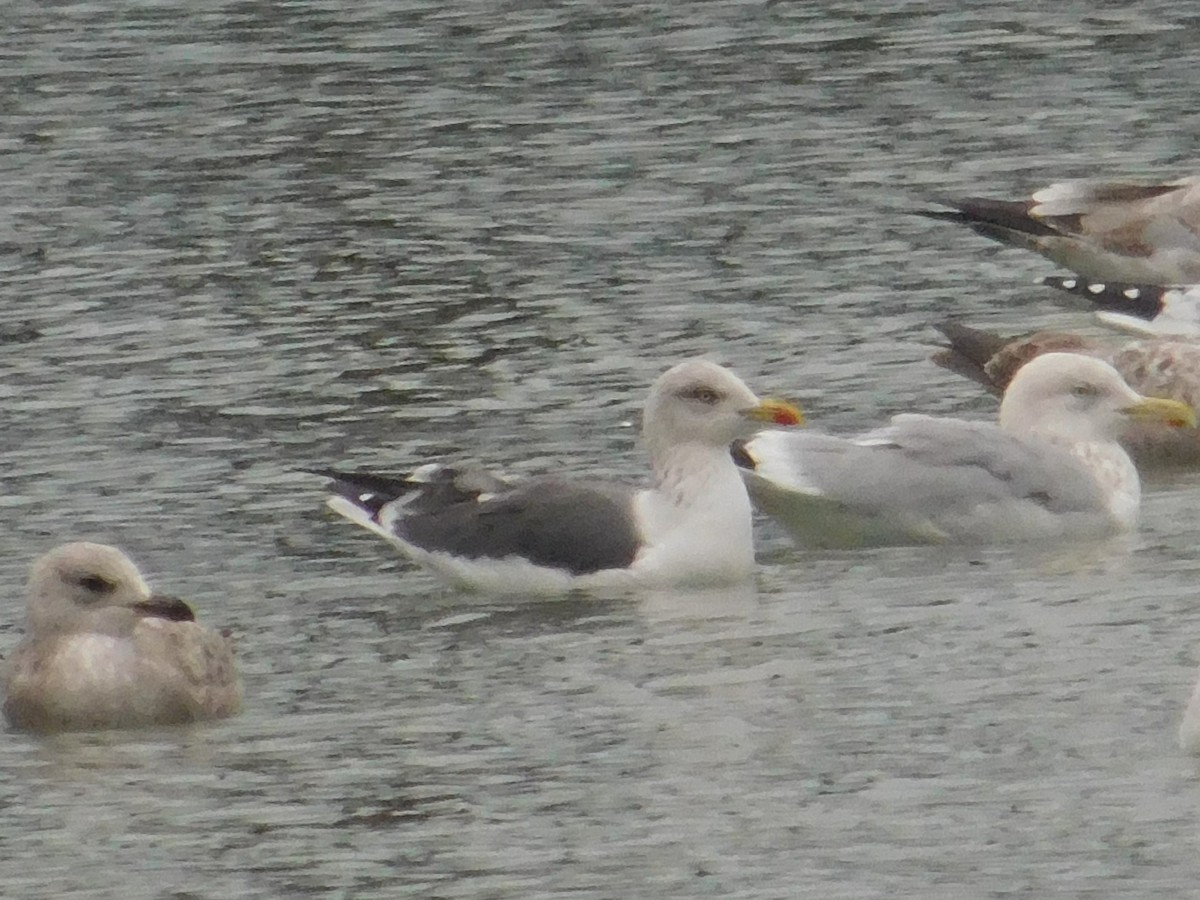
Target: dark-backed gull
[(549, 535)]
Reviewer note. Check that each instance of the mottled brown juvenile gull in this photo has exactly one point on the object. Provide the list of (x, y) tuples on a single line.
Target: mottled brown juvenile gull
[(103, 652), (1157, 367), (1051, 468), (1139, 233), (550, 535)]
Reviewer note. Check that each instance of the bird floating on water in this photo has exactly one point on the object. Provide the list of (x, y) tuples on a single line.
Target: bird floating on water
[(553, 534), (1050, 468), (102, 651)]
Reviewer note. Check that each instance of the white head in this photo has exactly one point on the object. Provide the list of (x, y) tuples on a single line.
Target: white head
[(699, 402), (72, 582), (1080, 398)]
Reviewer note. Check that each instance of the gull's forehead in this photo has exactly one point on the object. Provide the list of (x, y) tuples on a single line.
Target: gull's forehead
[(81, 557), (691, 369), (699, 372), (1060, 371)]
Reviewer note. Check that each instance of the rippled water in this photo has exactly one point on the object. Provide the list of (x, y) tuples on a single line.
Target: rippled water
[(238, 239)]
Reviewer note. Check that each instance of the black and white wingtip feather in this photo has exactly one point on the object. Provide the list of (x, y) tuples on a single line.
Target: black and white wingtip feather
[(1147, 309), (1142, 300), (429, 488)]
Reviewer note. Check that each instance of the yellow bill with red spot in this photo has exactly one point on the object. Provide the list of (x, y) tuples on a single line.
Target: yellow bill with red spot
[(777, 412), (1160, 409)]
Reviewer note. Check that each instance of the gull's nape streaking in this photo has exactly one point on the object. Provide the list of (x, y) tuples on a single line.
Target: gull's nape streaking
[(1119, 231), (1051, 467), (1159, 367), (102, 651), (550, 535)]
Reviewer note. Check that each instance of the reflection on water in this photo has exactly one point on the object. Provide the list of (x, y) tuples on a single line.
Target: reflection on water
[(246, 240)]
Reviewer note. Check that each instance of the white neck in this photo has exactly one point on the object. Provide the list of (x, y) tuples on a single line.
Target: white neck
[(688, 472), (697, 516), (1062, 428)]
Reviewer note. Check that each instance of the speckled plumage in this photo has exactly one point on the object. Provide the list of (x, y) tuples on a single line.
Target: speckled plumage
[(103, 652), (1154, 367)]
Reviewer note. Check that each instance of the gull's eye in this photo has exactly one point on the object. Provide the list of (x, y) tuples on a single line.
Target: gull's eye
[(97, 584), (704, 394), (1085, 390)]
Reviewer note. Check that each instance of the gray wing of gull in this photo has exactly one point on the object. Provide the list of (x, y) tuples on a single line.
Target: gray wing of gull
[(926, 479), (578, 526)]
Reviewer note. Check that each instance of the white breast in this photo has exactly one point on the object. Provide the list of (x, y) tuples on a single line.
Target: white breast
[(697, 528)]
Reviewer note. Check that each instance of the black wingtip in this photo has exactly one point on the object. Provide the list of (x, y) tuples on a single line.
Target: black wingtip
[(371, 481), (368, 490), (428, 489), (969, 352), (943, 215), (1008, 221), (1142, 300), (973, 343)]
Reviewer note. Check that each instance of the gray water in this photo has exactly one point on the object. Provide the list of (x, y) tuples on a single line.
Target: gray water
[(239, 239)]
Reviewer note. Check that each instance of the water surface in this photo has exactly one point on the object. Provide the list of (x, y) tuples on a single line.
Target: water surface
[(242, 239)]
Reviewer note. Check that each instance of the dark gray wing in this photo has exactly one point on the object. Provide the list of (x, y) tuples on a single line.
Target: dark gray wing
[(580, 527)]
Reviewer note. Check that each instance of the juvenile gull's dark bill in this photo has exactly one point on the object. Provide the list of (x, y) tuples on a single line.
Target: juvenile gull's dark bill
[(550, 535), (103, 652), (1102, 230), (1051, 468), (1159, 367)]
